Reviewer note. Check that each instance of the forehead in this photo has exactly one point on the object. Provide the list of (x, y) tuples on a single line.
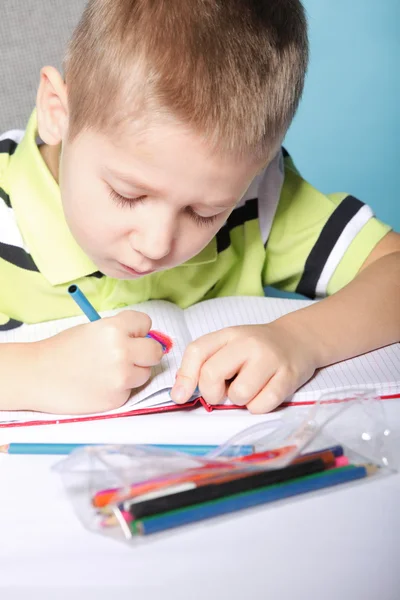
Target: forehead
[(172, 154)]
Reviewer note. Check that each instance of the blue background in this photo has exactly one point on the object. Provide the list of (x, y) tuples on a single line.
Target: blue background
[(345, 136)]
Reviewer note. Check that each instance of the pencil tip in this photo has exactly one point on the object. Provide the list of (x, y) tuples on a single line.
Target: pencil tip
[(371, 469), (4, 448)]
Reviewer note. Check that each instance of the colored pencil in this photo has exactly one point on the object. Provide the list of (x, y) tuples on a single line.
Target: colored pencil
[(336, 451), (116, 495), (261, 458), (114, 519), (275, 454), (173, 489), (91, 313), (207, 474), (212, 472), (218, 477), (341, 461), (205, 491), (86, 307), (264, 456), (192, 449), (110, 519), (222, 506)]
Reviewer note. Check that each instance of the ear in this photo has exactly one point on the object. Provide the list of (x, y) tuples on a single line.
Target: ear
[(52, 106)]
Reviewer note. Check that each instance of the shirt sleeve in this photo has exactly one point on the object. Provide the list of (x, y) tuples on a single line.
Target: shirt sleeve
[(6, 323), (318, 242)]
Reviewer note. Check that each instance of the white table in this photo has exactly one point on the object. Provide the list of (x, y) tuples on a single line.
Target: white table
[(339, 545)]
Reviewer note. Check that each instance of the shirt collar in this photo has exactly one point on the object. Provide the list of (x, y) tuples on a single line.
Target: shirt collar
[(37, 205), (36, 200)]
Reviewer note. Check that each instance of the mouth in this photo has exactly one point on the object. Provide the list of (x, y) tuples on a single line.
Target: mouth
[(134, 272)]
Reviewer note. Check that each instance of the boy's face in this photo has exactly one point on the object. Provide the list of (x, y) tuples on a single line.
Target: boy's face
[(148, 199)]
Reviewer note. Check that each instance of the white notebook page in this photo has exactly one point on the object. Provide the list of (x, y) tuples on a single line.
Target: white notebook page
[(378, 370)]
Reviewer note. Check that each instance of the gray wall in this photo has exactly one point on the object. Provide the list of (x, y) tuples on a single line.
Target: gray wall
[(33, 33)]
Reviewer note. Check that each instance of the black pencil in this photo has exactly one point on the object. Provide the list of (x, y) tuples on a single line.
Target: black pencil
[(212, 491)]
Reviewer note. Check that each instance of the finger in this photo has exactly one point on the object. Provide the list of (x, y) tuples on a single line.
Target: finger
[(137, 324), (215, 372), (250, 380), (279, 387), (145, 352), (194, 356)]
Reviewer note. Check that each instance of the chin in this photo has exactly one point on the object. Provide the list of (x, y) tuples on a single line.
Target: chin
[(117, 274)]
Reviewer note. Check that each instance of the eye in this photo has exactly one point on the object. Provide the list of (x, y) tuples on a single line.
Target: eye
[(205, 221), (123, 200)]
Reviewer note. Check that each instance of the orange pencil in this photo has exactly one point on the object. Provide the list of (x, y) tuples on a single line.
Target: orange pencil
[(113, 496), (222, 469)]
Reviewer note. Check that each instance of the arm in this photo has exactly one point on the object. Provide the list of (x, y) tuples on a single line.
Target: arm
[(362, 316), (17, 375)]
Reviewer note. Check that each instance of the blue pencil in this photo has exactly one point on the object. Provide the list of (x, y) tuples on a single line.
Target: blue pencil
[(206, 510), (88, 309), (192, 449)]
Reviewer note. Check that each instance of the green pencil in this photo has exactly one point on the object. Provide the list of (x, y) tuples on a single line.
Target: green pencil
[(235, 502)]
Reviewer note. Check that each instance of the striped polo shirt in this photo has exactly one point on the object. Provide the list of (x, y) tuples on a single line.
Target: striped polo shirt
[(283, 233)]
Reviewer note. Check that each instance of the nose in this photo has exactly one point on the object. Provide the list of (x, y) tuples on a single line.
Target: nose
[(153, 239)]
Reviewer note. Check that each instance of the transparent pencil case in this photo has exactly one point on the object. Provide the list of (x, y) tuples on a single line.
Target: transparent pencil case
[(129, 492)]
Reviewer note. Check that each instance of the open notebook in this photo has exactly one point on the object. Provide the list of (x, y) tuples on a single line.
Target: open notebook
[(379, 370)]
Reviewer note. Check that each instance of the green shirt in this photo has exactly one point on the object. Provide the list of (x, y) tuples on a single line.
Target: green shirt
[(283, 233)]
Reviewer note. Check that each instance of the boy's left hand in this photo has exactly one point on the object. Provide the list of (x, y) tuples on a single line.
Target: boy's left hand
[(253, 365)]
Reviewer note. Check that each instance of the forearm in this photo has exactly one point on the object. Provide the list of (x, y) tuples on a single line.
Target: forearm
[(363, 316), (18, 380)]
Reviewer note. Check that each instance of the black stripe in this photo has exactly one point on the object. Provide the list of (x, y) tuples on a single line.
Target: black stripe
[(5, 197), (7, 146), (324, 245), (11, 324), (97, 274), (285, 152), (223, 239), (17, 256), (247, 212)]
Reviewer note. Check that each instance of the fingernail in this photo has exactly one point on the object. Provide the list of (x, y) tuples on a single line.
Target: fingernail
[(178, 393)]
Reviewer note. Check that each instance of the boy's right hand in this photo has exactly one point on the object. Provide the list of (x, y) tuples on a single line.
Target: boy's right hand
[(93, 367)]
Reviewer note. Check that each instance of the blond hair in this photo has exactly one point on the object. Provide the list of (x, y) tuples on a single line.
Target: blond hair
[(232, 70)]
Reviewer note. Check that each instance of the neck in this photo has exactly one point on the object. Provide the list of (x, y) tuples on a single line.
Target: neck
[(51, 157)]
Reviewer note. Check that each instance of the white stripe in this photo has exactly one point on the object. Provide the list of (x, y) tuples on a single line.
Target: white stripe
[(252, 191), (269, 193), (348, 234), (14, 134), (266, 187), (9, 230)]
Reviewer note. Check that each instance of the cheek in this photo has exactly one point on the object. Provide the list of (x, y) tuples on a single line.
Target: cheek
[(192, 239), (87, 207)]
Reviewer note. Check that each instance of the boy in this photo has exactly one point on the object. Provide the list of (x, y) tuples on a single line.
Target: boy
[(155, 170)]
